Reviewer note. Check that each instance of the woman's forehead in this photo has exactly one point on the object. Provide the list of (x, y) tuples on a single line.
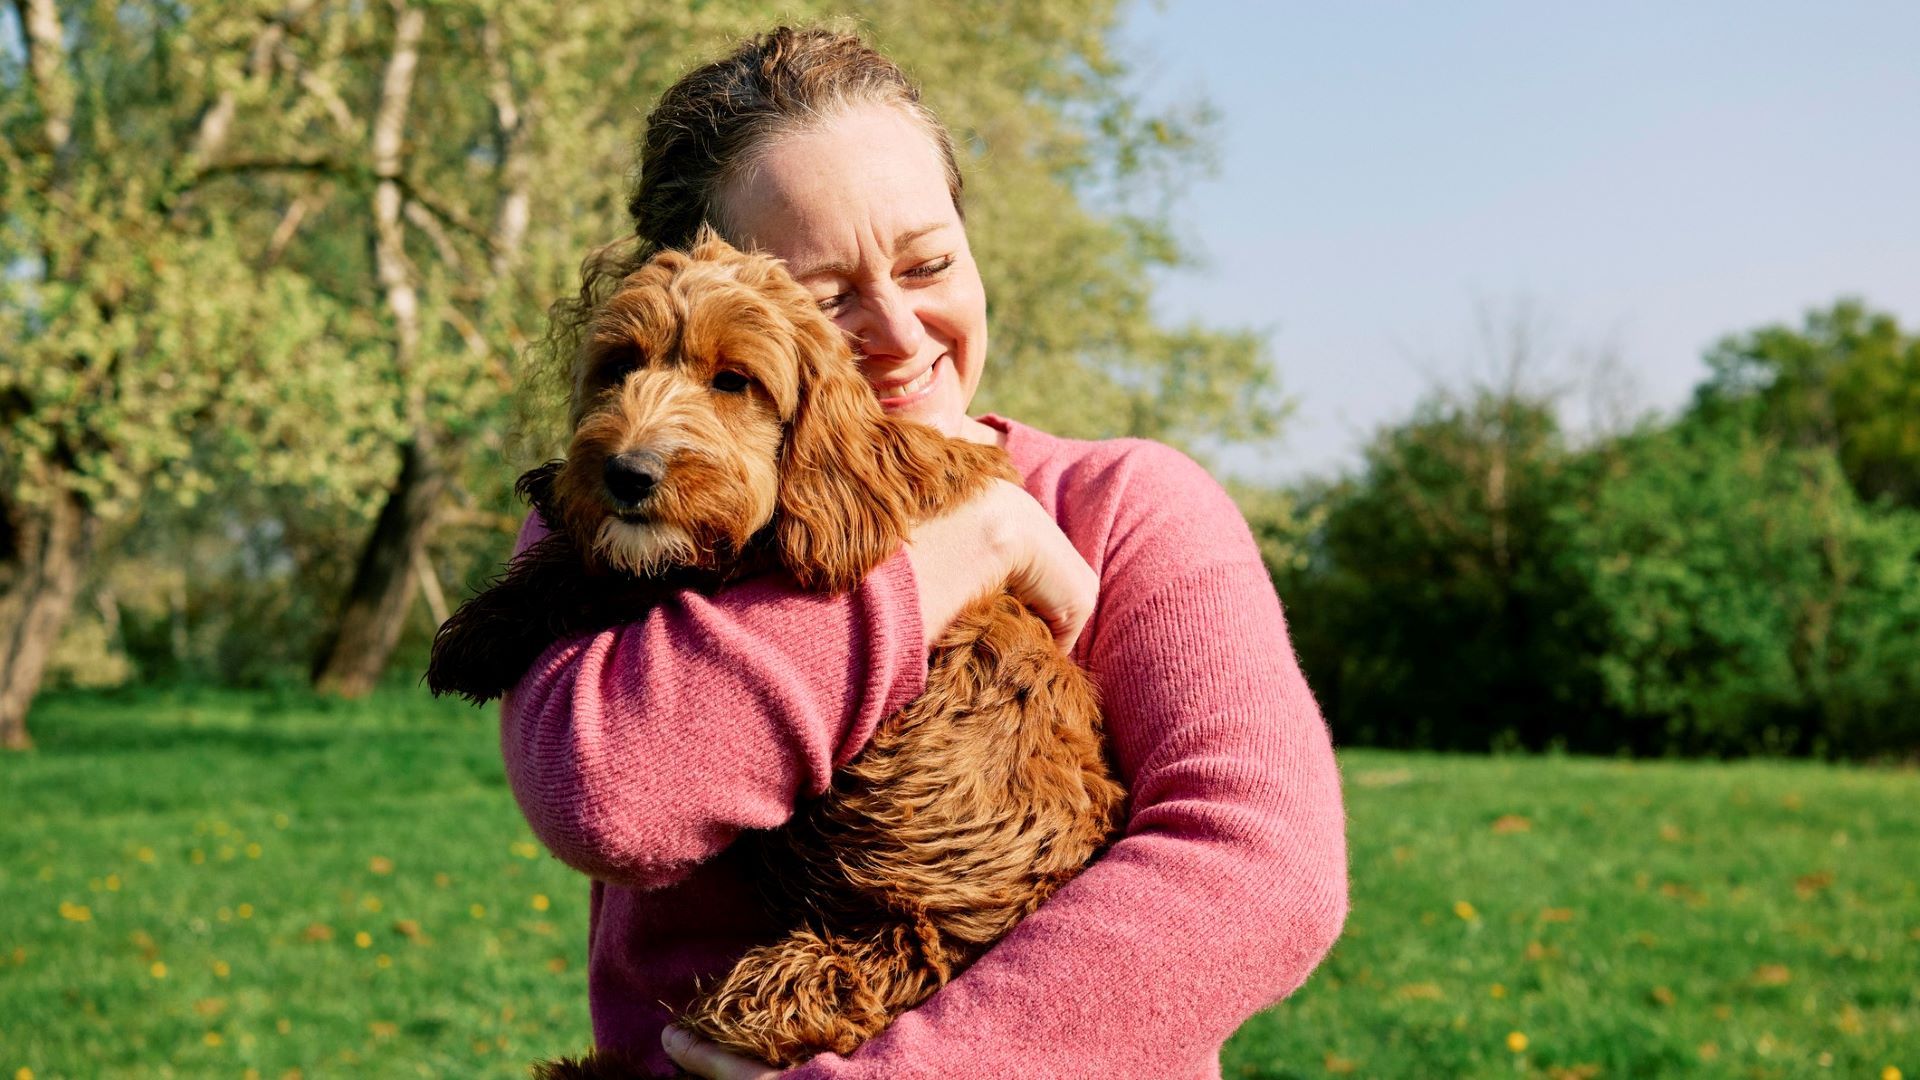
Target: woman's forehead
[(831, 198)]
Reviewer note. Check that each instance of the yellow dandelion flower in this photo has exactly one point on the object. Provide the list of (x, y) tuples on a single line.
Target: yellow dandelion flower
[(158, 970), (221, 970), (253, 851), (1890, 1073), (73, 912), (23, 1073), (145, 855), (212, 1038), (283, 1025), (196, 856), (526, 850), (245, 911), (371, 903), (383, 961), (380, 864), (113, 882), (1465, 911), (363, 939), (540, 902), (478, 911), (1497, 990), (442, 880), (250, 1074), (1516, 1041), (281, 821)]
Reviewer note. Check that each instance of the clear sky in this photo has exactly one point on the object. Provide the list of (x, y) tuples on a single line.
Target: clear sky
[(1643, 177)]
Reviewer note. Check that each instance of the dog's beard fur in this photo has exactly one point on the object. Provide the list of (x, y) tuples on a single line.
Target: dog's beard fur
[(644, 548)]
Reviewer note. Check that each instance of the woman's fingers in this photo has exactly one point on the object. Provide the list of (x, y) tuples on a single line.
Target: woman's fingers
[(1057, 584), (702, 1058), (1001, 535)]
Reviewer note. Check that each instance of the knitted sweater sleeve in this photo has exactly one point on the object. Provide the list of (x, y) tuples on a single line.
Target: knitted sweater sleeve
[(1229, 883), (639, 752)]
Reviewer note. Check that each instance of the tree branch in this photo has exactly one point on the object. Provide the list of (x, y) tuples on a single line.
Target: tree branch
[(47, 67)]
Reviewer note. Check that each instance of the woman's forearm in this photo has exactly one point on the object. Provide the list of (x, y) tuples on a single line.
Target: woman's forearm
[(639, 752)]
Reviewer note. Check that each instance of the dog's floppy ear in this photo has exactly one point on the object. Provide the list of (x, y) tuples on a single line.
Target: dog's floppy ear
[(839, 514), (854, 481)]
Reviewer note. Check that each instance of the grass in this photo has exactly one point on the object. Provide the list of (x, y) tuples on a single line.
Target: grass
[(206, 883)]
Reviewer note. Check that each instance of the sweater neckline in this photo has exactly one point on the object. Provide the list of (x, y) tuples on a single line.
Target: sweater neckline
[(1023, 442)]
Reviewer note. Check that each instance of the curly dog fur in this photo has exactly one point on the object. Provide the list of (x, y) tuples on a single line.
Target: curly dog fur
[(721, 429)]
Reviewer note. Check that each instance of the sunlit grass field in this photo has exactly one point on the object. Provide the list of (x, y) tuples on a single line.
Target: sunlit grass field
[(227, 884)]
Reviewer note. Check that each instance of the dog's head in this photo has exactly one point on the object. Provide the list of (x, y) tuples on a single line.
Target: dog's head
[(713, 400)]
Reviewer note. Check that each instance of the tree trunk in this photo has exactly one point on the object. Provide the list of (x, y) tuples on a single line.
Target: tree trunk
[(376, 606), (39, 580)]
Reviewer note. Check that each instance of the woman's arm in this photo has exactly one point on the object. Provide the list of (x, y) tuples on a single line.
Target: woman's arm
[(1230, 882), (639, 752)]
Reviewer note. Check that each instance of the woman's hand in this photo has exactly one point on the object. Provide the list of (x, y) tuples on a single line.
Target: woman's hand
[(1001, 536), (702, 1058)]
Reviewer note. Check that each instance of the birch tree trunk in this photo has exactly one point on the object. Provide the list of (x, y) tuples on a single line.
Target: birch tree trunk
[(51, 549)]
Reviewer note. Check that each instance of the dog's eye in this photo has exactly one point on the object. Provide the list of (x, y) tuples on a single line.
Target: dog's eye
[(619, 364), (730, 382)]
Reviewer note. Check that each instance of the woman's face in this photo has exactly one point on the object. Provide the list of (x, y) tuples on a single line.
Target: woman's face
[(859, 210)]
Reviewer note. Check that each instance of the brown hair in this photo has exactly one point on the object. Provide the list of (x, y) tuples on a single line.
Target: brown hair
[(708, 128)]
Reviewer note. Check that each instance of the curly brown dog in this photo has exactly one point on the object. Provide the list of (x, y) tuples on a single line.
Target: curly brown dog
[(721, 429)]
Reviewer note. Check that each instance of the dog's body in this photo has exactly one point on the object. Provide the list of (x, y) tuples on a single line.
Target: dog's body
[(721, 430)]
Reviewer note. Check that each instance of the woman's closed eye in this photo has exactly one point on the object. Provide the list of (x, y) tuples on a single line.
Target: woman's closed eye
[(923, 273), (931, 269)]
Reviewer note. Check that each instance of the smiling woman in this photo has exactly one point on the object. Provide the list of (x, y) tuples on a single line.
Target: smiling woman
[(640, 754)]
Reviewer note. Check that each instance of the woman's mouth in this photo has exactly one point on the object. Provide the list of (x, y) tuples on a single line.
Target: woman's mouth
[(899, 395)]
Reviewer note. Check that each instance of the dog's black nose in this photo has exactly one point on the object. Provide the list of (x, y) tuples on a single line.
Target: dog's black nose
[(631, 476)]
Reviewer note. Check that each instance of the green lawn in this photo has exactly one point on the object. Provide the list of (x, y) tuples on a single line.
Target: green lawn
[(212, 883)]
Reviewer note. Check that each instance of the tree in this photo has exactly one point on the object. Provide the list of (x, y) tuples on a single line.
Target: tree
[(139, 313), (1847, 380), (1748, 600), (1435, 607)]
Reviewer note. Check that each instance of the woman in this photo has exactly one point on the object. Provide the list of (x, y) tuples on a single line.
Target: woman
[(638, 754)]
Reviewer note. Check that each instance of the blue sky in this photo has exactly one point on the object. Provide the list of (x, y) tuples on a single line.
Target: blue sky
[(1639, 178)]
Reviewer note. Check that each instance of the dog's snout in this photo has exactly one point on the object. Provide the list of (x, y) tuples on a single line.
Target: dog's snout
[(631, 476)]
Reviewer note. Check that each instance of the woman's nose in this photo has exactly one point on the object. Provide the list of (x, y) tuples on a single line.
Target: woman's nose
[(888, 324)]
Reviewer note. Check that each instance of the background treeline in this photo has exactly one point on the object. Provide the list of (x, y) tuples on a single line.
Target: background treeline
[(1743, 577)]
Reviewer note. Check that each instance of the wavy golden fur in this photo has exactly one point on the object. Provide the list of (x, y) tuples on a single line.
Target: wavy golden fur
[(762, 446)]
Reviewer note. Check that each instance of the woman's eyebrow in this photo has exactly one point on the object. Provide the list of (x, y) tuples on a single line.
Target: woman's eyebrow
[(843, 268)]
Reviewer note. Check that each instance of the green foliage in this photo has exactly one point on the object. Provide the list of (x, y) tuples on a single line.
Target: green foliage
[(1749, 599), (1711, 584), (1434, 607), (1848, 380)]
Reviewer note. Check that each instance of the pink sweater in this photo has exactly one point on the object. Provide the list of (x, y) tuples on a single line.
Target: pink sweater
[(638, 754)]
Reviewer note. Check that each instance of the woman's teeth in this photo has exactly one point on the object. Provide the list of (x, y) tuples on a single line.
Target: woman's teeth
[(918, 383)]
